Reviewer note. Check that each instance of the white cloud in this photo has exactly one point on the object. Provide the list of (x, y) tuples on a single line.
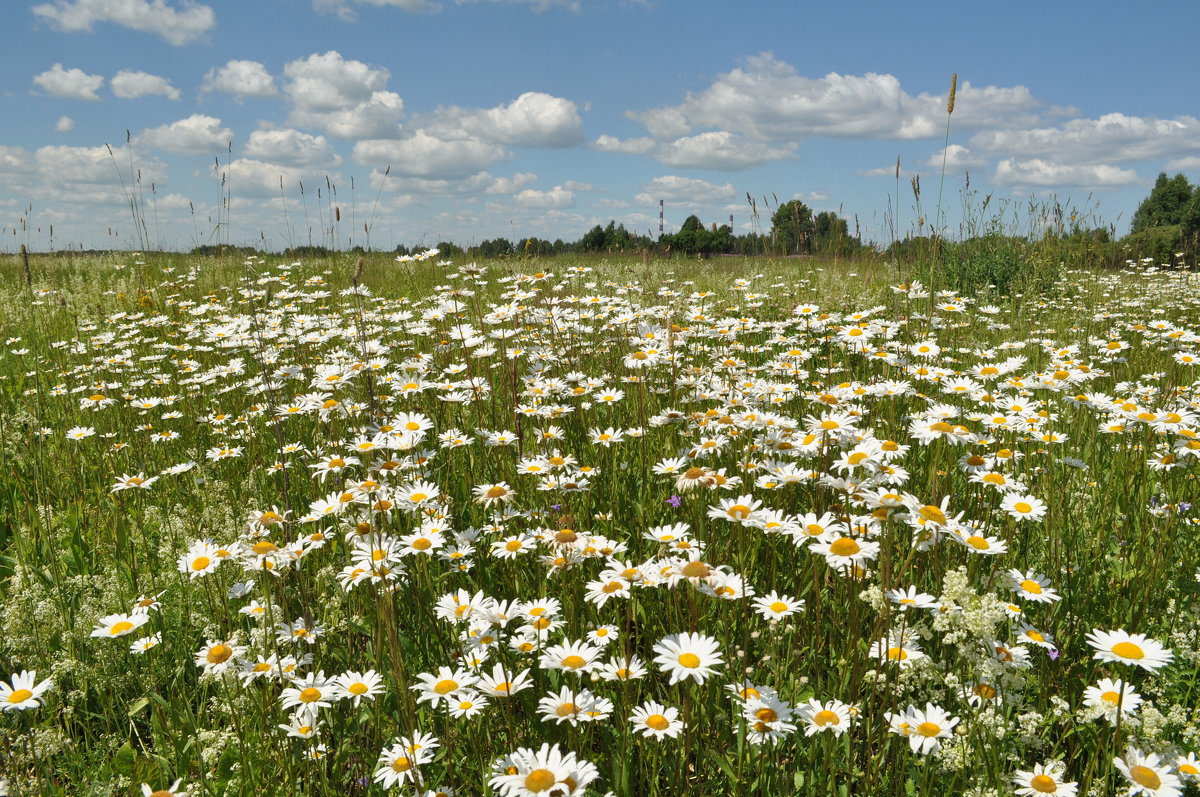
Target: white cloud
[(723, 151), (248, 177), (423, 155), (630, 146), (811, 196), (73, 84), (59, 165), (291, 148), (1039, 173), (198, 134), (538, 6), (1188, 164), (769, 100), (575, 185), (241, 78), (557, 197), (885, 171), (344, 98), (956, 157), (344, 10), (15, 160), (534, 119), (65, 124), (510, 185), (177, 25), (130, 85), (683, 189), (1112, 138)]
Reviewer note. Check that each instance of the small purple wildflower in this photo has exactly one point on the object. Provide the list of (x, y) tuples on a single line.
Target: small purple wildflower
[(675, 501), (1053, 654)]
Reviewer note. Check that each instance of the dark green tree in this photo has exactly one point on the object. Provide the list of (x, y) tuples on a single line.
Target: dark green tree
[(792, 228), (1166, 205)]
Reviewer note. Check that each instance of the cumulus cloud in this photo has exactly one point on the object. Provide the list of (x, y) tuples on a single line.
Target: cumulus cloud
[(423, 155), (130, 85), (343, 98), (509, 185), (60, 165), (723, 151), (242, 79), (768, 99), (249, 177), (1112, 138), (65, 124), (198, 134), (557, 197), (1039, 173), (72, 84), (15, 161), (178, 26), (344, 9), (956, 157), (683, 189), (1188, 164), (534, 119), (630, 146), (291, 148)]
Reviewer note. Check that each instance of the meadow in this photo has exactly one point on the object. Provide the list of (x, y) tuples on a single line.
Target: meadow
[(590, 526)]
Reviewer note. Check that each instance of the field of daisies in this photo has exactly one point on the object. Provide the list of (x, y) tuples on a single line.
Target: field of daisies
[(534, 528)]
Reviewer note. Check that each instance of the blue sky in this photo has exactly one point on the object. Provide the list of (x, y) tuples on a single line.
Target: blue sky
[(545, 117)]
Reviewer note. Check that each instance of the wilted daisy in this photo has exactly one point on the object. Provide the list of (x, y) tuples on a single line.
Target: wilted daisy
[(22, 691), (688, 655), (1125, 648)]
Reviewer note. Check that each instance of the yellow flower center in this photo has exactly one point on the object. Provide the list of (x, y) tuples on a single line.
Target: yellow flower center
[(574, 662), (1145, 776), (844, 546), (932, 514), (658, 722), (985, 691), (200, 562), (778, 606), (978, 543), (218, 654), (695, 570), (540, 780), (120, 628), (512, 545), (422, 544), (689, 660), (357, 689), (496, 492), (1022, 507), (566, 710), (929, 729), (19, 696), (766, 714), (825, 717), (1128, 650), (401, 764), (1032, 586), (897, 654), (1043, 783), (310, 695)]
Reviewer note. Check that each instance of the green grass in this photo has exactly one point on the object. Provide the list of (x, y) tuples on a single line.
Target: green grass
[(1117, 543)]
